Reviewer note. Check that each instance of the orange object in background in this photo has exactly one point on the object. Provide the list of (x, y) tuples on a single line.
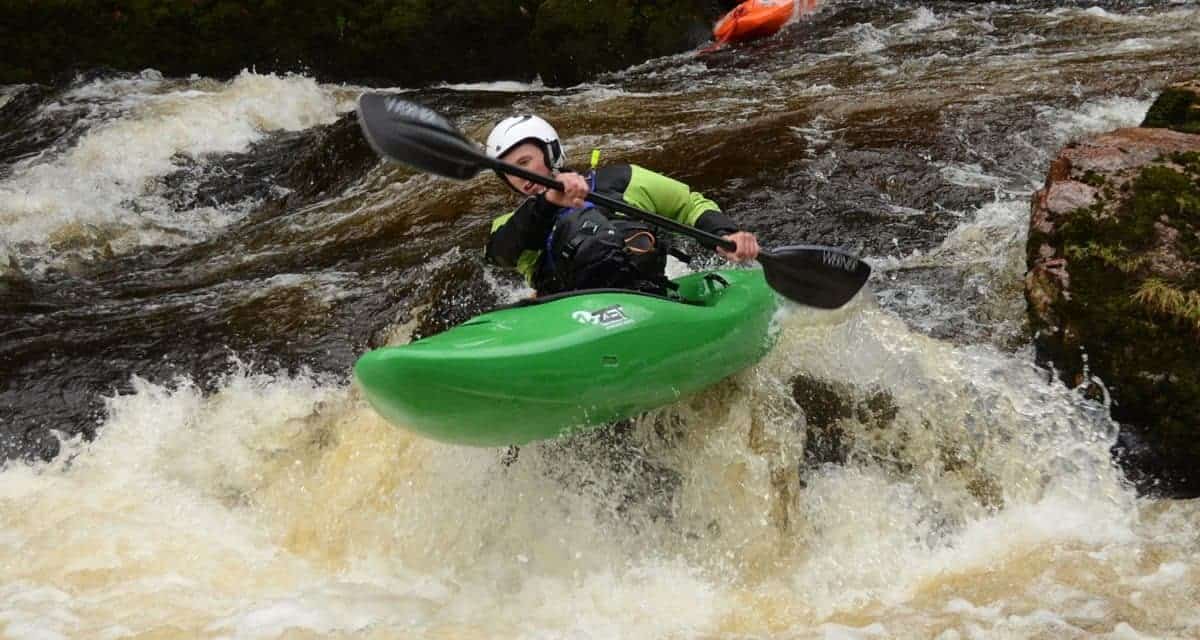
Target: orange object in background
[(758, 18)]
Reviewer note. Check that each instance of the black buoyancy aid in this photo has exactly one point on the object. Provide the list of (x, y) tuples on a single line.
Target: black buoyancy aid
[(594, 248)]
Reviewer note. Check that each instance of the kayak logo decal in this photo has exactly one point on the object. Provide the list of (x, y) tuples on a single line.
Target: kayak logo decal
[(608, 317)]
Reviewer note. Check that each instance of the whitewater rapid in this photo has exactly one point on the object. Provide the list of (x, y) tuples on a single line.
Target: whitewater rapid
[(972, 495)]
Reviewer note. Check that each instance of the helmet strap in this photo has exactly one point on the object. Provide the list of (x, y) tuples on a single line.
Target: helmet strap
[(552, 150)]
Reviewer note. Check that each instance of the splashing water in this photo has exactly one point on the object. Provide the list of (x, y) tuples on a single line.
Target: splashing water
[(895, 469)]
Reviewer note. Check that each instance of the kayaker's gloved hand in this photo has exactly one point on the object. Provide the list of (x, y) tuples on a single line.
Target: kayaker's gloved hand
[(573, 196), (747, 247)]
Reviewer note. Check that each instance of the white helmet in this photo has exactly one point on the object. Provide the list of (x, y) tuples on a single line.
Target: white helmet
[(518, 129)]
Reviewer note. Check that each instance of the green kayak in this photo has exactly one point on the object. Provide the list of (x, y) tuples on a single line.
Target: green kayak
[(549, 366)]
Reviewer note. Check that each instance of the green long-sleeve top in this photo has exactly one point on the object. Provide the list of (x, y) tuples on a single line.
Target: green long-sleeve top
[(518, 238)]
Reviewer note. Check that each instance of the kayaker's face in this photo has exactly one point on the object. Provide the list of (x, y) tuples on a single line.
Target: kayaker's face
[(527, 156)]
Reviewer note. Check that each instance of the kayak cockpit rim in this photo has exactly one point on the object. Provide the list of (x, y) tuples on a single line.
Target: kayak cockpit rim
[(529, 302)]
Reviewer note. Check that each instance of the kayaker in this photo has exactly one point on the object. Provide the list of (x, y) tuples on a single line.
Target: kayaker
[(561, 242)]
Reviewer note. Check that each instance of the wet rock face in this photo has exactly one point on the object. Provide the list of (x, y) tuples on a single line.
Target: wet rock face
[(1114, 284), (50, 345), (826, 404)]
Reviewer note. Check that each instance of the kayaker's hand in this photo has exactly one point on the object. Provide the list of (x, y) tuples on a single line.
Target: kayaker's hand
[(747, 247), (576, 190)]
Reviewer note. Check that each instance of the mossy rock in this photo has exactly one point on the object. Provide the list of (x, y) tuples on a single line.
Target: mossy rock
[(1177, 107), (1133, 307)]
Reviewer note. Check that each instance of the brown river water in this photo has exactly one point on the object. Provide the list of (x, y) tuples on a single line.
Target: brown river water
[(194, 264)]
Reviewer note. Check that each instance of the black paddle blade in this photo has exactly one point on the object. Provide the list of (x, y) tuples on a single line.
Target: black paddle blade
[(821, 277), (419, 137)]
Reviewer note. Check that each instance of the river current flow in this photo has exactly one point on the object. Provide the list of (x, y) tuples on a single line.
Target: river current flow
[(190, 266)]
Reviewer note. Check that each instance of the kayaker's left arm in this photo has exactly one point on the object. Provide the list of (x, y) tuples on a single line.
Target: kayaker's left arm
[(673, 199)]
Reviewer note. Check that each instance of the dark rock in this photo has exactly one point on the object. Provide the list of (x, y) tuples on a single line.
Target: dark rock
[(1114, 290), (334, 158), (827, 404), (17, 117), (14, 284), (453, 297)]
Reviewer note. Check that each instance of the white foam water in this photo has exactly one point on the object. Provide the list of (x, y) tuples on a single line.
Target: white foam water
[(282, 505), (98, 191), (952, 490)]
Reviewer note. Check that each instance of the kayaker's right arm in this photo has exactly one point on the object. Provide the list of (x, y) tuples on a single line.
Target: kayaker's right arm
[(671, 198), (676, 200), (520, 231)]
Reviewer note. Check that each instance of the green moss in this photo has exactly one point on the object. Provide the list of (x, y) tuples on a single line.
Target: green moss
[(1157, 191), (1174, 109), (1148, 362), (1139, 332), (1161, 298), (1115, 257), (1190, 158), (1084, 232), (1092, 178)]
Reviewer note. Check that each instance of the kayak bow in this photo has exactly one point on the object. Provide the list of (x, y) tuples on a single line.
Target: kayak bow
[(543, 369)]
